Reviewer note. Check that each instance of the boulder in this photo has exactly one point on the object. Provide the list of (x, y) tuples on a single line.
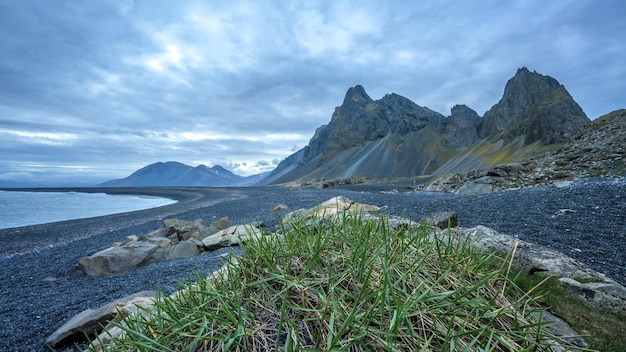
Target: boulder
[(220, 224), (117, 260), (91, 321), (329, 208), (598, 291), (184, 249), (231, 236), (177, 239), (184, 229), (443, 220), (481, 185)]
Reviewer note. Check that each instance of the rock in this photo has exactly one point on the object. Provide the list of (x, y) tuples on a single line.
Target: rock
[(178, 239), (443, 220), (184, 249), (329, 208), (233, 235), (279, 207), (162, 232), (215, 226), (600, 292), (461, 131), (482, 185), (600, 295), (117, 260), (184, 229), (91, 321), (559, 327)]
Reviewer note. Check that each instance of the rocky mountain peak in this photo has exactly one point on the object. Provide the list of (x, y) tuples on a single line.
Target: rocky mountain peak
[(356, 121), (535, 106), (356, 94)]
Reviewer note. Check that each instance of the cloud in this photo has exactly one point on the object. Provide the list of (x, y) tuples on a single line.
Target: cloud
[(118, 85)]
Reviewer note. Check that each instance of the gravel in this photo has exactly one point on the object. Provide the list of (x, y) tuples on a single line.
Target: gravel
[(41, 289)]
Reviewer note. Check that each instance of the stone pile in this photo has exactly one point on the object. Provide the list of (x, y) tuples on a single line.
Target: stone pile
[(177, 239), (593, 288)]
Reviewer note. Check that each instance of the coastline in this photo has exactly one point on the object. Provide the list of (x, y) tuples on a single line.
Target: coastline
[(42, 291), (18, 240)]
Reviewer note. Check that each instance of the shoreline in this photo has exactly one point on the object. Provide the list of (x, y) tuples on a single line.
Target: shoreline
[(23, 208), (22, 239)]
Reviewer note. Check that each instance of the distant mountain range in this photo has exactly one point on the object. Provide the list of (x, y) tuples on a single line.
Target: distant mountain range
[(394, 137), (173, 173)]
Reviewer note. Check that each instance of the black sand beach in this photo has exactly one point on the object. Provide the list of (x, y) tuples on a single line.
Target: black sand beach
[(41, 291)]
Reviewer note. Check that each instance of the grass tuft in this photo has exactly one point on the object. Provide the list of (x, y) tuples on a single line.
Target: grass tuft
[(345, 284)]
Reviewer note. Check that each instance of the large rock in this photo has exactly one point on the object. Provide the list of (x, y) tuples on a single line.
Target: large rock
[(92, 321), (481, 185), (598, 291), (184, 229), (231, 236), (184, 249), (329, 208), (117, 260), (442, 220), (220, 224)]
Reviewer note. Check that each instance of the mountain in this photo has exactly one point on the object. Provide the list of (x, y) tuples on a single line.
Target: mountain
[(173, 173), (535, 106), (394, 137)]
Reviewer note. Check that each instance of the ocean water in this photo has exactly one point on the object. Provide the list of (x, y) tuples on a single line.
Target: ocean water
[(31, 208)]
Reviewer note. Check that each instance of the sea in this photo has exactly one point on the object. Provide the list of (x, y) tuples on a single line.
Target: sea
[(31, 208)]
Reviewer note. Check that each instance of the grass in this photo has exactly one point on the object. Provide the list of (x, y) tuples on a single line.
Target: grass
[(604, 331), (344, 284)]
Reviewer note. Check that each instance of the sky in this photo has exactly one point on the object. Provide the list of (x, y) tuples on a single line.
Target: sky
[(93, 90)]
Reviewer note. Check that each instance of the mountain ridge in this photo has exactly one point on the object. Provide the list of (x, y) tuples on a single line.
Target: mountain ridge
[(172, 173), (394, 137)]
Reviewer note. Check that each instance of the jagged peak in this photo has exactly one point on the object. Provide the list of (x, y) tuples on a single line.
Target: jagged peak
[(523, 77), (356, 94)]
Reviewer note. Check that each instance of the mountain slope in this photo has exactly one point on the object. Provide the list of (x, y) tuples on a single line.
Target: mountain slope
[(394, 137), (173, 173)]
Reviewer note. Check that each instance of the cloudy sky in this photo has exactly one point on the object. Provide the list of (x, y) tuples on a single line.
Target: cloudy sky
[(96, 89)]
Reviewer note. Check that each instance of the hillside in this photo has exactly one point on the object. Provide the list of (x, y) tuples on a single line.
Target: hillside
[(393, 137), (598, 149)]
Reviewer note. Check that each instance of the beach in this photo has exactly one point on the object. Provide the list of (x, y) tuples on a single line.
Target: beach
[(42, 289)]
